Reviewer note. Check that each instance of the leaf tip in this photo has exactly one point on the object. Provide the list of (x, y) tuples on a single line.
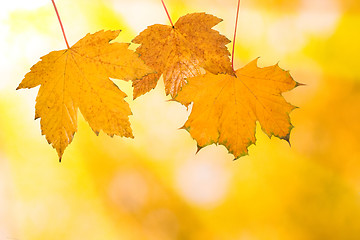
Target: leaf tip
[(287, 139), (60, 153), (183, 127), (198, 149), (297, 84), (237, 156), (255, 62), (117, 31)]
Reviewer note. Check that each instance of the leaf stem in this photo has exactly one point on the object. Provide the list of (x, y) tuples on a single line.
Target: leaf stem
[(167, 13), (62, 28), (236, 22)]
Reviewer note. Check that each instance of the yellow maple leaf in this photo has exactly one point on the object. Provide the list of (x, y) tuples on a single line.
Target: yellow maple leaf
[(78, 78), (181, 51), (226, 107)]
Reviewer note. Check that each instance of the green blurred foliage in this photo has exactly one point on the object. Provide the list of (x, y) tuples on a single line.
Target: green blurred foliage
[(337, 54)]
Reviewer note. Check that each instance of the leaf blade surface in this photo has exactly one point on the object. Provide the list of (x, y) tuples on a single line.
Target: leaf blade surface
[(226, 107), (78, 78)]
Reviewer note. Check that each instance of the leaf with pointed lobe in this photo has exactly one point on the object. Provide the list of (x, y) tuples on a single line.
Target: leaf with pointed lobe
[(226, 107), (78, 78), (181, 51)]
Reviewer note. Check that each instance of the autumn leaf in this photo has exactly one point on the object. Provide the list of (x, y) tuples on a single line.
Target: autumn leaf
[(78, 78), (181, 51), (226, 107)]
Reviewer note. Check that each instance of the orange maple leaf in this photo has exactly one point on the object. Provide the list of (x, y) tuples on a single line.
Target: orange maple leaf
[(181, 51), (226, 107), (78, 78)]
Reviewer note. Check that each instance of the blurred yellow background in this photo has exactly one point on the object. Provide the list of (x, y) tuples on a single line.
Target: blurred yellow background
[(155, 187)]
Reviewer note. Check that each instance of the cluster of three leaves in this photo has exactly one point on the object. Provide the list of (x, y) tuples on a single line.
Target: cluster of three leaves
[(195, 65)]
